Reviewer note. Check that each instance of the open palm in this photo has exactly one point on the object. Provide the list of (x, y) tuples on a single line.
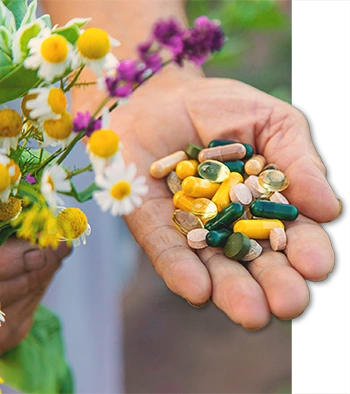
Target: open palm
[(165, 115)]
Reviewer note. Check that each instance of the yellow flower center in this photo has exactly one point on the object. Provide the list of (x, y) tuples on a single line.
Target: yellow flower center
[(57, 100), (94, 44), (4, 178), (26, 98), (14, 178), (104, 143), (10, 123), (121, 190), (54, 49), (59, 129), (72, 223), (10, 209)]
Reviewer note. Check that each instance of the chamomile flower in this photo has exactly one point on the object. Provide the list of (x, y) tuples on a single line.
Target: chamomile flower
[(15, 174), (104, 146), (2, 320), (10, 210), (50, 54), (73, 226), (46, 103), (93, 49), (121, 191), (10, 128), (57, 131), (5, 178), (54, 180)]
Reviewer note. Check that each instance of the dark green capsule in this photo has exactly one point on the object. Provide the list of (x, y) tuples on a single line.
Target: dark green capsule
[(226, 217), (235, 166), (217, 238), (237, 246), (274, 210), (249, 148), (193, 150)]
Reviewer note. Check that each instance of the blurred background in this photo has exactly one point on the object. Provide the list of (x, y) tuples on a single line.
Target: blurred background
[(170, 347)]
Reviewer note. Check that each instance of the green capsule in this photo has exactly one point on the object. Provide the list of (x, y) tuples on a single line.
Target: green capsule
[(274, 210), (235, 166), (226, 217), (213, 170), (217, 238), (237, 246), (193, 150), (249, 148)]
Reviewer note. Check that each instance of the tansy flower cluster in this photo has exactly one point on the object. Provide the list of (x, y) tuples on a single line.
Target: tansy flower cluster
[(40, 64)]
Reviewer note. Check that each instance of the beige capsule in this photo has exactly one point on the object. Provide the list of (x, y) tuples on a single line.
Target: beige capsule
[(278, 239), (196, 238), (164, 166), (223, 153), (255, 165), (241, 193)]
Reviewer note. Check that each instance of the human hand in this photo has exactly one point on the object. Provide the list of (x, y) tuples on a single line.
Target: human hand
[(25, 273), (178, 107)]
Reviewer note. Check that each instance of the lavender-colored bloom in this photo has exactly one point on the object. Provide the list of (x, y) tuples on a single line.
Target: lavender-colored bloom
[(83, 121), (169, 33), (149, 55), (29, 178)]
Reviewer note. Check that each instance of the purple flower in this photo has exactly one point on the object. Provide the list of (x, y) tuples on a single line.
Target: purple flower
[(149, 55), (29, 178), (84, 121), (169, 34)]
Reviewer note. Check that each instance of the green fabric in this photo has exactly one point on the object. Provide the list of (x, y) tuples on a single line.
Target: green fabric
[(37, 364)]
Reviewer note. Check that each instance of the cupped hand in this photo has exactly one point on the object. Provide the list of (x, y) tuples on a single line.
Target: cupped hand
[(25, 273), (177, 107)]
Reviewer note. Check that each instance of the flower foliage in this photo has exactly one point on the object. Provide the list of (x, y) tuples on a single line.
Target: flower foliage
[(40, 64)]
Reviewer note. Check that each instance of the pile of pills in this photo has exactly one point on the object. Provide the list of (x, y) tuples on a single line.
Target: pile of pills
[(225, 196)]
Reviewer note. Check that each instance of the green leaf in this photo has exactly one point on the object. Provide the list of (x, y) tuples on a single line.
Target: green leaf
[(18, 9), (84, 195), (30, 15), (6, 18), (6, 232), (22, 37), (37, 364), (70, 33), (5, 59), (5, 41)]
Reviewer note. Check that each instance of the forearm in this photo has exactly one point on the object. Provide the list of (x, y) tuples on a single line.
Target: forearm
[(129, 21)]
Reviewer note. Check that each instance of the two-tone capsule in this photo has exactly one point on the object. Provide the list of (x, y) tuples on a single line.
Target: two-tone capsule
[(249, 149), (257, 229)]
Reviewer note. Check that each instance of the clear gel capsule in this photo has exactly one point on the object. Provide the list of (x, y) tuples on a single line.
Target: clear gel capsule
[(271, 166), (198, 187), (257, 229), (164, 166), (204, 209), (225, 218), (186, 168), (274, 210), (223, 153), (182, 201), (249, 148), (273, 180), (174, 182), (213, 170), (186, 221)]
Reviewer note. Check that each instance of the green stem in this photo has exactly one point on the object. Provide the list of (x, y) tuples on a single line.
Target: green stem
[(76, 76), (70, 146), (80, 171)]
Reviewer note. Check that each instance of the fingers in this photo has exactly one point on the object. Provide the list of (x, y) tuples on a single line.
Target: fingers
[(168, 251), (285, 289), (235, 291), (309, 249)]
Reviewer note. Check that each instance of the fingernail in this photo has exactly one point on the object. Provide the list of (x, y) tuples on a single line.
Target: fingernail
[(340, 206), (197, 305), (34, 260)]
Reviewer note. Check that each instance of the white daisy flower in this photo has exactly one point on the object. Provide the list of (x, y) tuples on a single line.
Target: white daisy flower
[(50, 54), (121, 191), (53, 181), (57, 131), (6, 173), (73, 226), (104, 146), (10, 129), (46, 103), (93, 49), (2, 317)]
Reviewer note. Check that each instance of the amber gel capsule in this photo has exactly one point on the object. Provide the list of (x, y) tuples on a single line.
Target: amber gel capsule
[(249, 148), (223, 153), (225, 218), (163, 167), (274, 210), (214, 171)]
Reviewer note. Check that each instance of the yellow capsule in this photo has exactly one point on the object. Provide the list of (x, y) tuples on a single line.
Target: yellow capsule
[(182, 201), (204, 209), (222, 196), (186, 168), (257, 229), (198, 187)]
